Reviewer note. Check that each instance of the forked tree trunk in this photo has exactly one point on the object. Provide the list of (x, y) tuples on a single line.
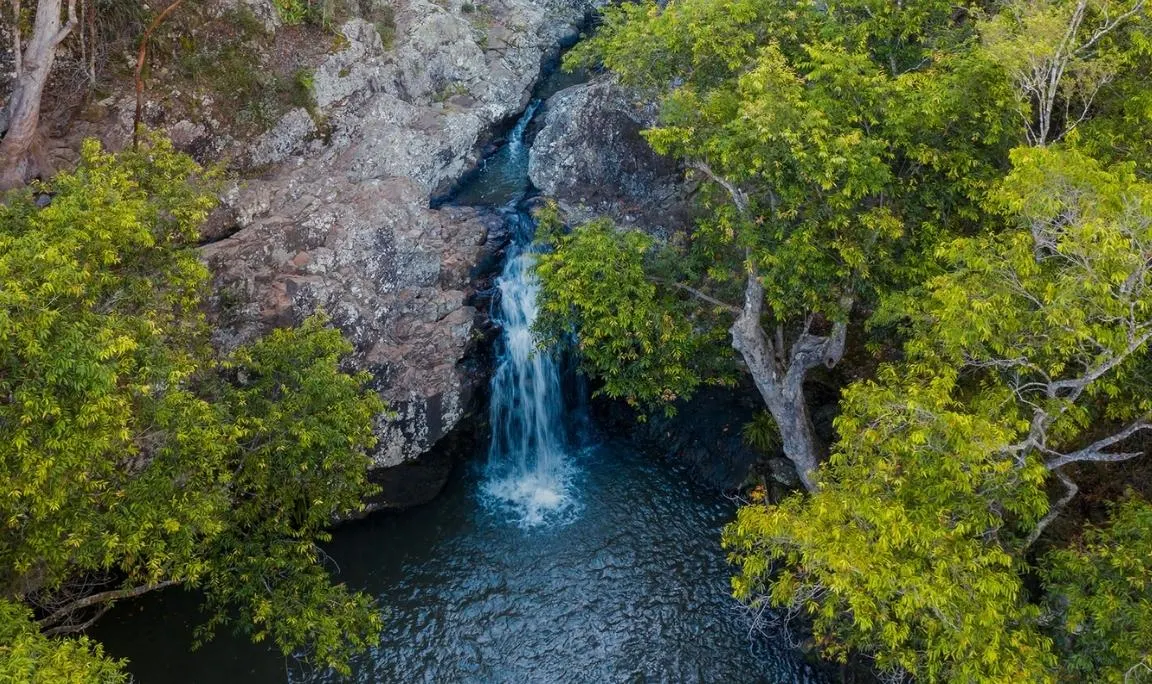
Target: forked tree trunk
[(33, 69), (779, 375), (779, 371)]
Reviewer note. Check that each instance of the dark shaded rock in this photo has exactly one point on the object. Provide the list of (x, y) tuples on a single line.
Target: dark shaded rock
[(705, 435), (591, 157)]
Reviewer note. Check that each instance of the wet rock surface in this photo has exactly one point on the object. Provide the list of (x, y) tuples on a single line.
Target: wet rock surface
[(705, 435)]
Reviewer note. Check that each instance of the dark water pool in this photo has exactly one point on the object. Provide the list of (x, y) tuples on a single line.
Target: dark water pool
[(633, 588)]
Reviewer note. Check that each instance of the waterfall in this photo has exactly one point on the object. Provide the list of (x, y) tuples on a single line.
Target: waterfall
[(528, 472), (516, 149)]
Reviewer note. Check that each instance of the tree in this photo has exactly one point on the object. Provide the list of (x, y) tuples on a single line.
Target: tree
[(26, 655), (33, 67), (858, 155), (841, 142), (133, 456), (1024, 359), (1060, 56), (1101, 591)]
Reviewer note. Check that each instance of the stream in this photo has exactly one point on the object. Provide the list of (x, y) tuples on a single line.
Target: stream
[(557, 554)]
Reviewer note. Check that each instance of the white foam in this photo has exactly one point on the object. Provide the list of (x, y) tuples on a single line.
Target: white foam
[(532, 500)]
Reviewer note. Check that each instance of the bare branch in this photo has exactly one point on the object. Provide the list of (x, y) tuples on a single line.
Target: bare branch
[(1095, 452), (1134, 670), (141, 58), (699, 295), (1075, 386), (739, 197), (1109, 26), (67, 28), (100, 598), (1070, 491), (73, 629)]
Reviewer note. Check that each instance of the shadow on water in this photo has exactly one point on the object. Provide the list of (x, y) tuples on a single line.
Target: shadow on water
[(629, 585), (633, 589)]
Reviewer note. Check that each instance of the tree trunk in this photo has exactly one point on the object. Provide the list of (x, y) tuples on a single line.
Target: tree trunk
[(780, 378), (48, 32), (141, 60)]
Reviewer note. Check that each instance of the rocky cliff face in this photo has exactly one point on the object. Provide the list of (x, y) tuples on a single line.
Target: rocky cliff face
[(341, 221), (591, 157)]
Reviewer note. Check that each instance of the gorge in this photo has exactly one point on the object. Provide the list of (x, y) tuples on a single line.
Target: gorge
[(557, 553), (354, 340)]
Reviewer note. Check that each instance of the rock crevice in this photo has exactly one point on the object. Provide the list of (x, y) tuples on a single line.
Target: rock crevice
[(341, 221)]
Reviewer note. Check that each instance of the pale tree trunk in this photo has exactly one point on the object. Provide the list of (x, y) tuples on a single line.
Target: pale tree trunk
[(779, 372), (33, 69), (779, 375)]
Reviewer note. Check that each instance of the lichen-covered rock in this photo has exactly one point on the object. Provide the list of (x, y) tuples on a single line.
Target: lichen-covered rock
[(591, 157), (289, 136), (343, 223), (263, 11), (393, 274)]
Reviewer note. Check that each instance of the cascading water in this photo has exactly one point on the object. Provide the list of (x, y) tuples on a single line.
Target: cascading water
[(501, 180), (634, 588), (528, 471)]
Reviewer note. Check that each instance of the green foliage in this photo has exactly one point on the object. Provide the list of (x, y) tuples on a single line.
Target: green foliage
[(1101, 590), (99, 333), (761, 432), (317, 12), (226, 69), (911, 550), (128, 449), (631, 335), (1064, 293), (300, 469), (29, 657), (862, 152), (385, 23), (897, 554), (761, 93), (843, 143), (1062, 58)]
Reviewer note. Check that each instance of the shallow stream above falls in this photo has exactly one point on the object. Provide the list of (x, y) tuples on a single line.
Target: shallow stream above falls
[(554, 555)]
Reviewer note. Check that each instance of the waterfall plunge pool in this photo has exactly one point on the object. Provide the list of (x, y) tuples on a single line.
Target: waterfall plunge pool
[(542, 561), (634, 588)]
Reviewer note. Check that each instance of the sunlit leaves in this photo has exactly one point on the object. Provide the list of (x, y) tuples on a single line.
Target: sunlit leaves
[(898, 554), (99, 318), (129, 450), (633, 335), (304, 427), (29, 657), (1101, 589), (929, 481)]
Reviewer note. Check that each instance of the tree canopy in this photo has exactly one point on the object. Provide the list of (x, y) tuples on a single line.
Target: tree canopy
[(134, 456), (842, 143), (961, 192)]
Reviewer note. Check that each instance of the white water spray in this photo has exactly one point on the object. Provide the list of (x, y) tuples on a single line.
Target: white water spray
[(528, 471)]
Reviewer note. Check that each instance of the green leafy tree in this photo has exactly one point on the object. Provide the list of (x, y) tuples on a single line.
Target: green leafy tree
[(100, 339), (1024, 360), (132, 457), (641, 341), (1061, 57), (1101, 591), (27, 656), (841, 142), (303, 427), (857, 152)]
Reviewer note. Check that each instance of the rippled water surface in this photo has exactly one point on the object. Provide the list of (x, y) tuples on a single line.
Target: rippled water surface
[(624, 582), (632, 589)]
